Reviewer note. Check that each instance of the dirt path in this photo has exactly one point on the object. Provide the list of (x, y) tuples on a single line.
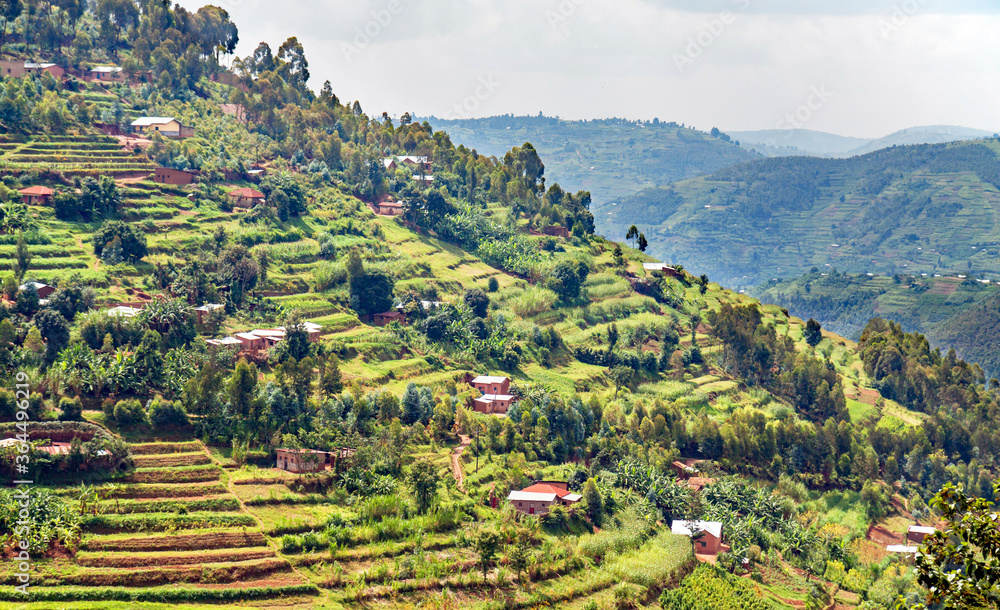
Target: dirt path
[(456, 466)]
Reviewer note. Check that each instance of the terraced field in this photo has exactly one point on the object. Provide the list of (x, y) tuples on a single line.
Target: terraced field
[(85, 155), (173, 533)]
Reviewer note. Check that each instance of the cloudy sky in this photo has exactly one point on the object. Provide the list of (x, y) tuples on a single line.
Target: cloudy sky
[(854, 67)]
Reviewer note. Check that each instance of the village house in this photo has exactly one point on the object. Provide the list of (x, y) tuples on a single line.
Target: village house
[(709, 543), (250, 341), (388, 317), (230, 342), (494, 404), (203, 310), (105, 73), (36, 195), (917, 533), (167, 126), (301, 460), (390, 208), (44, 290), (663, 268), (556, 231), (271, 337), (16, 68), (682, 470), (246, 197), (178, 177), (412, 162), (491, 385), (423, 179), (312, 329), (536, 499), (53, 69), (123, 311)]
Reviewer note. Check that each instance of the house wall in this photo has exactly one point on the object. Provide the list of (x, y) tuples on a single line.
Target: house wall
[(708, 545), (540, 507), (167, 175), (493, 388), (12, 68)]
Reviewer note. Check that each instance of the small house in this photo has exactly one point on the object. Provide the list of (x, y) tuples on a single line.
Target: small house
[(105, 73), (123, 311), (492, 385), (270, 336), (167, 126), (491, 404), (53, 69), (251, 341), (227, 342), (178, 177), (710, 540), (415, 162), (390, 208), (13, 68), (312, 329), (423, 179), (246, 197), (44, 290), (301, 460), (390, 164), (917, 533), (537, 499), (36, 195), (388, 317), (556, 231), (663, 268), (203, 310)]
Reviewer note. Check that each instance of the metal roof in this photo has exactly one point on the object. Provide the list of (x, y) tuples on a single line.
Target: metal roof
[(489, 379), (151, 120), (527, 496)]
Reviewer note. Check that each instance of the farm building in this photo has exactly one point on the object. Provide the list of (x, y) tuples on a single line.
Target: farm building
[(44, 290), (388, 317), (169, 175), (710, 543), (167, 126), (494, 403), (537, 498), (917, 533), (301, 460), (203, 310), (246, 197), (36, 195), (492, 385)]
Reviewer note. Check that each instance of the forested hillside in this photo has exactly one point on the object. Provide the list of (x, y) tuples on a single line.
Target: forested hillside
[(225, 396), (609, 157), (908, 210)]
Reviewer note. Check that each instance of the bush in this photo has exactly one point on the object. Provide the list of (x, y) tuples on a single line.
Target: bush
[(72, 409), (130, 414), (166, 413)]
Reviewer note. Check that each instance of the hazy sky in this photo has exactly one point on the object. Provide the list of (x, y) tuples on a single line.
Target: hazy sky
[(854, 67)]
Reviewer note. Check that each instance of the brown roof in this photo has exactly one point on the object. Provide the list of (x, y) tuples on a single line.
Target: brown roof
[(391, 314), (36, 190), (247, 193)]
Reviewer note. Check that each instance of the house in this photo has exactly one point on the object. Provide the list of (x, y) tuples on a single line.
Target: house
[(36, 195), (13, 68), (388, 317), (682, 470), (390, 164), (105, 73), (917, 533), (229, 342), (423, 179), (44, 290), (251, 341), (414, 162), (301, 460), (203, 310), (246, 197), (312, 329), (271, 337), (494, 403), (167, 126), (663, 268), (492, 385), (556, 231), (169, 175), (710, 543), (537, 498), (390, 208), (123, 311)]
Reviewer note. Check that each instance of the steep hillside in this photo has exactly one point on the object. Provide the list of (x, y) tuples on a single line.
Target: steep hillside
[(929, 208), (610, 158), (789, 142)]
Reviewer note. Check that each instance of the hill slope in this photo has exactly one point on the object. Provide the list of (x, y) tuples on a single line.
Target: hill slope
[(930, 208), (609, 158), (792, 142)]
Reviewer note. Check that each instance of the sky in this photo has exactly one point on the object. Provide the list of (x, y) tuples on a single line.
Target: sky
[(861, 68)]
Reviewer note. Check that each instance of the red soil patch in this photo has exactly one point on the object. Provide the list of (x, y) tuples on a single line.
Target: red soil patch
[(945, 286), (882, 535), (194, 542)]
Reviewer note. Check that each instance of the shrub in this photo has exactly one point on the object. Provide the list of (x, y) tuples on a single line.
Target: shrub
[(166, 413), (130, 414), (72, 409)]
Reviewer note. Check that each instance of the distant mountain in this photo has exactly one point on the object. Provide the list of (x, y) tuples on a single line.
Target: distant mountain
[(787, 142), (794, 142), (908, 209), (608, 157)]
